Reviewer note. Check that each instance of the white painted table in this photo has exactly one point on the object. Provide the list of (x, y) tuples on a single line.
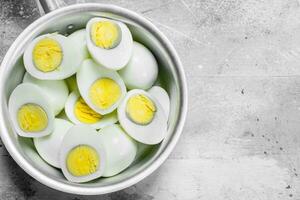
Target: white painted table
[(242, 136)]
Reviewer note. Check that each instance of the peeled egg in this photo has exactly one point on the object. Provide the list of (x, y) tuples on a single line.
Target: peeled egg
[(78, 40), (142, 69), (30, 111), (80, 113), (48, 146), (142, 117), (82, 155), (109, 42), (51, 57), (162, 96), (56, 91), (120, 149), (102, 89)]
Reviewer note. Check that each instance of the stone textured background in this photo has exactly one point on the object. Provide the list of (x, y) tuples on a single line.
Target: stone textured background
[(242, 135)]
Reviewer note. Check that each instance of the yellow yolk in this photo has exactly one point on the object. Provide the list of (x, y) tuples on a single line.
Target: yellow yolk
[(104, 93), (47, 55), (106, 34), (83, 160), (140, 109), (84, 113), (32, 118)]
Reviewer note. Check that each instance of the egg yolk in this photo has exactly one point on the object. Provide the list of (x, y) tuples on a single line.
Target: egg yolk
[(84, 113), (47, 55), (104, 93), (140, 109), (106, 34), (32, 118), (83, 160)]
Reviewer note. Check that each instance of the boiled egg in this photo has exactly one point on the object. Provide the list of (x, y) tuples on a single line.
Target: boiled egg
[(48, 146), (102, 89), (142, 117), (120, 149), (82, 155), (80, 113), (30, 111), (162, 96), (56, 91), (142, 69), (51, 57), (78, 40), (109, 42)]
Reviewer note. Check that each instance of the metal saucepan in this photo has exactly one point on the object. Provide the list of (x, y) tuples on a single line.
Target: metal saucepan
[(67, 19)]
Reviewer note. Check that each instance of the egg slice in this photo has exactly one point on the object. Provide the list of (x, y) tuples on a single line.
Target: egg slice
[(48, 146), (142, 69), (142, 117), (56, 91), (102, 89), (51, 57), (30, 111), (82, 155), (162, 96), (80, 113), (78, 40), (109, 42), (120, 149)]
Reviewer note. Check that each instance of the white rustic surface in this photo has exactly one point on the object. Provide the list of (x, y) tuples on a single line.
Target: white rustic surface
[(242, 135)]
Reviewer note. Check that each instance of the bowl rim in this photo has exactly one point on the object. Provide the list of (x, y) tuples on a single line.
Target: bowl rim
[(77, 189)]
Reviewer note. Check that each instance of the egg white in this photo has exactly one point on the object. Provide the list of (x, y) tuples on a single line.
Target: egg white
[(120, 148), (152, 133), (106, 120), (70, 62), (162, 96), (78, 40), (56, 91), (142, 69), (48, 146), (26, 93), (82, 135), (117, 57), (88, 74)]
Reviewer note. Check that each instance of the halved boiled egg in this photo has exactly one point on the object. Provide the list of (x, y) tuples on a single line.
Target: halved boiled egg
[(109, 42), (31, 112), (48, 146), (82, 155), (142, 117), (120, 149), (51, 57), (142, 69), (162, 96), (102, 89), (56, 91), (80, 113)]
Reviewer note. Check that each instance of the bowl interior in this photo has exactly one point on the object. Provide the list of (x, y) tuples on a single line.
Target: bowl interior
[(67, 23)]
